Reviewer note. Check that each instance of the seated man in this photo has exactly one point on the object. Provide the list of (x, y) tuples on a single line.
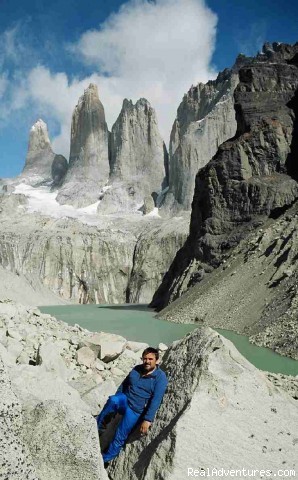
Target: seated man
[(138, 397)]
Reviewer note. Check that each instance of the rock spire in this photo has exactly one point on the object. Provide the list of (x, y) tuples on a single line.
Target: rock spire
[(89, 159)]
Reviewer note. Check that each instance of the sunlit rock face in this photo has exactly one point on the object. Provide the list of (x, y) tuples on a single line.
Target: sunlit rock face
[(40, 156), (89, 158), (252, 176), (205, 119), (137, 158)]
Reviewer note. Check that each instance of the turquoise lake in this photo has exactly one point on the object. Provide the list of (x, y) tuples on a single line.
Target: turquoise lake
[(138, 322)]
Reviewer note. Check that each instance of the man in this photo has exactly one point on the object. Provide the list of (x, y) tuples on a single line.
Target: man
[(137, 398)]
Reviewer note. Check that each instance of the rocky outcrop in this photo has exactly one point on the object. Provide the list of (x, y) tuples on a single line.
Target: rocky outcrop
[(89, 159), (48, 429), (41, 161), (251, 177), (215, 400), (254, 291), (137, 158), (153, 252), (205, 119), (16, 460)]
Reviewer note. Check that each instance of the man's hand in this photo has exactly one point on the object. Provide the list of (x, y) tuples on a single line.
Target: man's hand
[(144, 428)]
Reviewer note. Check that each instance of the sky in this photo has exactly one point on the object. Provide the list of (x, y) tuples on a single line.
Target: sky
[(50, 51)]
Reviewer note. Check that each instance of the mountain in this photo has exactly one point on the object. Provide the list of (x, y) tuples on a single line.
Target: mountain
[(89, 152), (42, 165), (205, 119), (137, 158), (251, 178)]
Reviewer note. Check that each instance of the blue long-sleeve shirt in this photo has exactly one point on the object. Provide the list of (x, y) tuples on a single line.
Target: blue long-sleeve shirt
[(144, 392)]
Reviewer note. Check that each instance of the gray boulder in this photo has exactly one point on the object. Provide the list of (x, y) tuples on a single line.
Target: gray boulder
[(16, 461), (218, 412)]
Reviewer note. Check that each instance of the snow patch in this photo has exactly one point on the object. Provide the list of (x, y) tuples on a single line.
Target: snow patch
[(42, 200)]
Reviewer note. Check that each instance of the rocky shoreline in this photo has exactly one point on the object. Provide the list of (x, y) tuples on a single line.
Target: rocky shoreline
[(54, 378)]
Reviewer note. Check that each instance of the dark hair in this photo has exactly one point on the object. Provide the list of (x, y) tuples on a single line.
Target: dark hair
[(151, 350)]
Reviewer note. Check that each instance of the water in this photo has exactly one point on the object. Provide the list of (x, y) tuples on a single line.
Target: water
[(134, 322), (137, 322), (263, 358)]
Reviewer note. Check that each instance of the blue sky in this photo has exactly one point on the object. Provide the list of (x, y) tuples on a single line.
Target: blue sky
[(50, 51)]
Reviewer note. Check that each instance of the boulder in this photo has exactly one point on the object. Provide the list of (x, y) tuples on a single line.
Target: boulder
[(86, 356), (218, 412), (107, 346), (16, 461), (49, 357)]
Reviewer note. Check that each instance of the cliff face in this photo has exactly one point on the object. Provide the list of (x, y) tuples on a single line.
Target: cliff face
[(89, 158), (137, 158), (205, 119), (252, 176), (109, 263)]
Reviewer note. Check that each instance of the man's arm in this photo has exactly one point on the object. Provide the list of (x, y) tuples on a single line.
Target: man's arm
[(156, 399)]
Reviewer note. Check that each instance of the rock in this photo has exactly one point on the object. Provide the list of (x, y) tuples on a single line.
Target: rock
[(16, 461), (137, 158), (99, 365), (212, 388), (85, 356), (205, 119), (90, 390), (127, 360), (40, 156), (14, 348), (136, 346), (107, 346), (49, 357), (162, 347), (149, 205), (59, 169), (88, 168), (34, 385), (252, 176), (63, 442)]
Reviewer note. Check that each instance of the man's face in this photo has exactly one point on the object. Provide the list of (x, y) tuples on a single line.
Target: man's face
[(149, 362)]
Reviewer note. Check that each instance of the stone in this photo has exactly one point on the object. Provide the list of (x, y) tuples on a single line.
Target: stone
[(252, 176), (16, 461), (162, 347), (34, 385), (49, 357), (149, 205), (85, 356), (63, 442), (40, 156), (205, 119), (137, 158), (212, 391), (107, 346), (136, 346), (88, 169), (58, 170)]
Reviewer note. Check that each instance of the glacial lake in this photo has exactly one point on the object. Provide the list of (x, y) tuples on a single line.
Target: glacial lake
[(137, 322)]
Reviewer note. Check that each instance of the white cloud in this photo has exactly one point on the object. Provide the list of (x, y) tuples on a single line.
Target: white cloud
[(152, 49)]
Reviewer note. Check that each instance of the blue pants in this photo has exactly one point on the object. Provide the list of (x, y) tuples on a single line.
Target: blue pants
[(118, 404)]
